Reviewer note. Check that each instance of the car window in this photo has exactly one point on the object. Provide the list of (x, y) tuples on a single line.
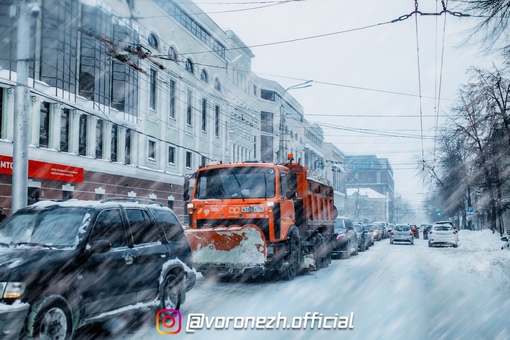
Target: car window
[(109, 226), (358, 228), (442, 228), (143, 229), (340, 225), (170, 224), (406, 228)]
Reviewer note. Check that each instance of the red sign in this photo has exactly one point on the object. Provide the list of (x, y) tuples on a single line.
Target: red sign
[(38, 169)]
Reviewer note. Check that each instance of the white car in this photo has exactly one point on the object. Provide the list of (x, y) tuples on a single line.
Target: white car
[(443, 233)]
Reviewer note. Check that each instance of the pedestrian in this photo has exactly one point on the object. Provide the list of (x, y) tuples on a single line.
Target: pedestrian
[(2, 215)]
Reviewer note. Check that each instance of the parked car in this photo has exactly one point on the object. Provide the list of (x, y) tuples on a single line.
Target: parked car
[(376, 232), (383, 228), (345, 239), (443, 233), (66, 264), (364, 237), (426, 230), (506, 239), (402, 233), (416, 230)]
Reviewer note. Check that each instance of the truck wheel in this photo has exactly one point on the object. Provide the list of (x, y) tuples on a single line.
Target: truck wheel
[(50, 318), (292, 258), (169, 292), (322, 252)]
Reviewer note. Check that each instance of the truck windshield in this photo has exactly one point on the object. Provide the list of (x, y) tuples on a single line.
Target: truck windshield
[(238, 182)]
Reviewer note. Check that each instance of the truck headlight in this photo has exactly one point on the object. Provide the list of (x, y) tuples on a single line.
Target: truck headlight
[(12, 290)]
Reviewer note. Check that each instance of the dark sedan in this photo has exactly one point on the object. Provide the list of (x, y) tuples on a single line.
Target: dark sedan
[(345, 239), (364, 237)]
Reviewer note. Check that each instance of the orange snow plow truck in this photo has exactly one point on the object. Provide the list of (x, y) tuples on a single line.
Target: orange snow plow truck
[(256, 219)]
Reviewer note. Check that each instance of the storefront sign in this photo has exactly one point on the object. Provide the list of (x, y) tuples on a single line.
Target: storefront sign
[(45, 170)]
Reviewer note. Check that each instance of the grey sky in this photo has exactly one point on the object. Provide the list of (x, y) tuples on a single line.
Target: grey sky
[(365, 73)]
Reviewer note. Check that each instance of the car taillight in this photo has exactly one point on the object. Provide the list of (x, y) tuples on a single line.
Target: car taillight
[(454, 232), (392, 234), (410, 234), (430, 232)]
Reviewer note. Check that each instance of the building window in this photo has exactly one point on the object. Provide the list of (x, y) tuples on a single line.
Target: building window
[(1, 109), (171, 155), (172, 99), (152, 90), (172, 54), (204, 76), (217, 120), (33, 195), (189, 66), (82, 136), (204, 114), (170, 204), (152, 39), (204, 161), (44, 124), (64, 130), (188, 160), (268, 95), (217, 84), (189, 107), (152, 150), (266, 122), (114, 144), (99, 139), (127, 147), (67, 195), (87, 86)]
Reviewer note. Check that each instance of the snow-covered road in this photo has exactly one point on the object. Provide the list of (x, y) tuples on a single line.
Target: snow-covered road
[(393, 291)]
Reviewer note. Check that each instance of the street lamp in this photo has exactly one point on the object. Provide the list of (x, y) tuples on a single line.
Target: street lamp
[(283, 119)]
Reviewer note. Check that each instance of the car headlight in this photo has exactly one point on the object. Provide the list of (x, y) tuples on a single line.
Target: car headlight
[(12, 290)]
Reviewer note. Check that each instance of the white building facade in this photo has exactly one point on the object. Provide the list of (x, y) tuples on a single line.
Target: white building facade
[(127, 97)]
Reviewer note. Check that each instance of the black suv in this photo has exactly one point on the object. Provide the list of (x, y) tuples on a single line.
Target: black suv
[(66, 264)]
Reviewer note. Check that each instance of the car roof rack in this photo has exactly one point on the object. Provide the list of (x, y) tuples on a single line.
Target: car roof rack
[(131, 199)]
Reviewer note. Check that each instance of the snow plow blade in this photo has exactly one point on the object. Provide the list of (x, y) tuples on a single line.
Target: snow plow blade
[(232, 249)]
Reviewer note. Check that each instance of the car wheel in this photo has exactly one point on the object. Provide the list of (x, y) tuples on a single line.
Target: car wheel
[(391, 241), (50, 318), (363, 247), (455, 245), (169, 292), (412, 243), (347, 254), (430, 244)]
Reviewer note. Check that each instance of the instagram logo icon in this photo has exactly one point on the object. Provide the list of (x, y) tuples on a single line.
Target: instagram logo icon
[(168, 321)]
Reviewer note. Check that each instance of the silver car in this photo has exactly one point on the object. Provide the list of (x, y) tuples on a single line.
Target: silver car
[(401, 233)]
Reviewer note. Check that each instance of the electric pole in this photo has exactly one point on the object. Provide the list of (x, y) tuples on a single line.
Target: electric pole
[(25, 11)]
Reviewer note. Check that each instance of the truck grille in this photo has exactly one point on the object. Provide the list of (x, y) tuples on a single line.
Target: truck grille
[(262, 223)]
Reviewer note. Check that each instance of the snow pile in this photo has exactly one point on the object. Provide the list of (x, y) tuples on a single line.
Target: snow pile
[(392, 291)]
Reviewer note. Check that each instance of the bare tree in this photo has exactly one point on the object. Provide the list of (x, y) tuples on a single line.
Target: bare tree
[(495, 15)]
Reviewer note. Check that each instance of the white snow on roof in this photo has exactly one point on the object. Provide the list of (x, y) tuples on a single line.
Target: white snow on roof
[(366, 192)]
